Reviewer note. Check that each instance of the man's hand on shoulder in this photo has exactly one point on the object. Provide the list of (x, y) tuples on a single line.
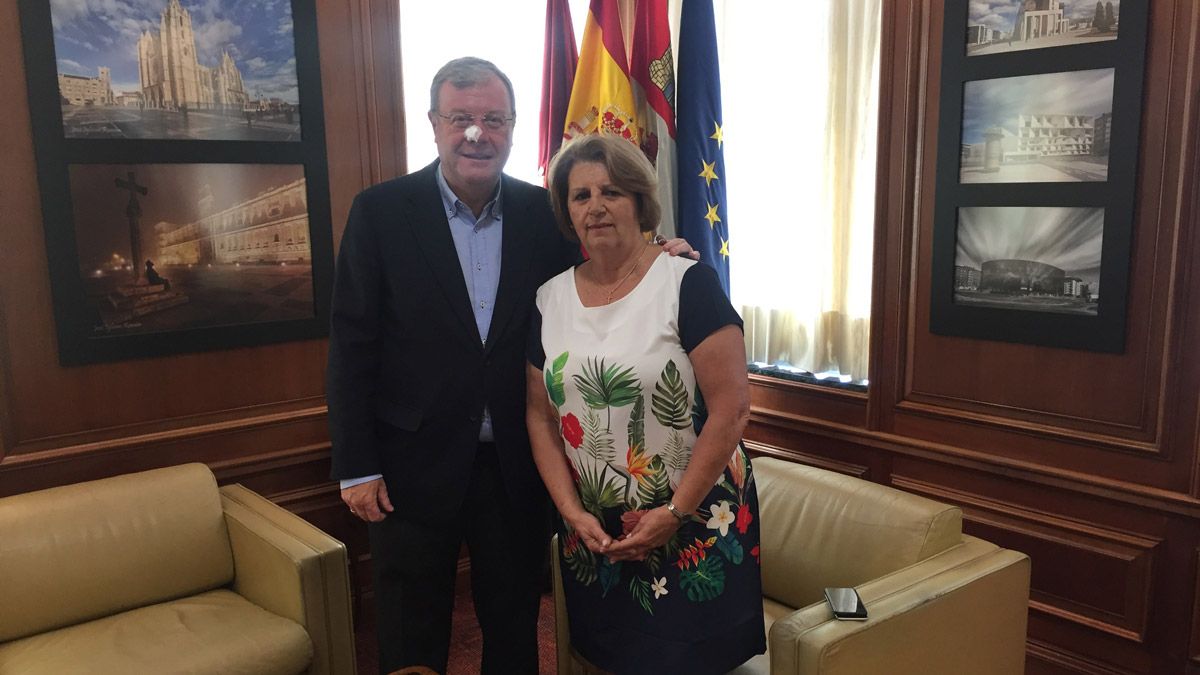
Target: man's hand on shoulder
[(677, 246), (368, 500)]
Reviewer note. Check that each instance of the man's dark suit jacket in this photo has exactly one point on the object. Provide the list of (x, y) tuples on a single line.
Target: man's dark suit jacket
[(408, 374)]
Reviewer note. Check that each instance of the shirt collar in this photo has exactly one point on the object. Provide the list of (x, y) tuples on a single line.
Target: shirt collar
[(451, 203)]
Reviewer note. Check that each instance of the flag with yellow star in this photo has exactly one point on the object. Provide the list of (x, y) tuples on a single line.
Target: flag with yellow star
[(703, 218)]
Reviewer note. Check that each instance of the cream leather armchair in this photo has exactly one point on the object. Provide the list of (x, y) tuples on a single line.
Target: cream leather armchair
[(938, 601), (162, 572)]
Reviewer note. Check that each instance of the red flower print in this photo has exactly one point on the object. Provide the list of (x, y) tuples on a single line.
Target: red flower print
[(629, 520), (693, 554), (743, 518), (754, 552), (572, 430)]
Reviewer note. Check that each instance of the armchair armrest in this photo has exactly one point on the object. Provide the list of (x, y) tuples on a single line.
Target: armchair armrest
[(562, 629), (962, 610), (287, 566)]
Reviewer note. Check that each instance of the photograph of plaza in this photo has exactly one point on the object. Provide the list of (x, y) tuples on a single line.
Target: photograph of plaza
[(1047, 128), (1041, 259), (997, 26), (177, 69), (176, 246)]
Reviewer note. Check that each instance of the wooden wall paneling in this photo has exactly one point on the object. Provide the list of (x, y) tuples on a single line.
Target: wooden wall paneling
[(255, 415), (1100, 577), (757, 449), (1089, 462), (902, 84), (1110, 401), (782, 438), (1183, 396), (813, 401), (1194, 641), (360, 69)]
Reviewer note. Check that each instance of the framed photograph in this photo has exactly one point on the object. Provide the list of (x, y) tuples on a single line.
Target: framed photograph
[(182, 171), (997, 26), (221, 70), (1051, 128), (1036, 171), (1034, 259), (164, 247)]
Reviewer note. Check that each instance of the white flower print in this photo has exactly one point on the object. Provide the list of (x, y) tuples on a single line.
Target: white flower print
[(659, 586), (722, 517)]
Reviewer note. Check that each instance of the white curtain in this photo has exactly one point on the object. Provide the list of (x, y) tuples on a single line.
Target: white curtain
[(800, 87)]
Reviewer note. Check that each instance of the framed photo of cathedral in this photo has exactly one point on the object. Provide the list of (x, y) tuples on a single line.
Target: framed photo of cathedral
[(183, 176), (1039, 123), (159, 70)]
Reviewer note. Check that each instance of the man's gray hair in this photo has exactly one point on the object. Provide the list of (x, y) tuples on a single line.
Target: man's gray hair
[(465, 72)]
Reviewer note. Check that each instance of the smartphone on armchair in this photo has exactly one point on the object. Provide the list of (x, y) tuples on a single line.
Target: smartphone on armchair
[(846, 604)]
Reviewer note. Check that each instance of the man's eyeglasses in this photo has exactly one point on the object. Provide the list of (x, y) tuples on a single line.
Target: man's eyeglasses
[(463, 120)]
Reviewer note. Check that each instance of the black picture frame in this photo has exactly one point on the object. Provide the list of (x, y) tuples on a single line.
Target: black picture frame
[(1101, 326), (82, 339)]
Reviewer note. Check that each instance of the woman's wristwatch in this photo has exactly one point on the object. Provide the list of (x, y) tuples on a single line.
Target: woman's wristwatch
[(677, 513)]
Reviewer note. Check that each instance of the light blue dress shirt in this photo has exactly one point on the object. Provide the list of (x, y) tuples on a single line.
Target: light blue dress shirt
[(477, 242)]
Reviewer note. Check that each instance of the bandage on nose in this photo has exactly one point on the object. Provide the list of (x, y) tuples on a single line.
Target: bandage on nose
[(473, 132)]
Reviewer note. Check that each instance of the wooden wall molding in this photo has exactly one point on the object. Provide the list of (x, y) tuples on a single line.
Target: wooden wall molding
[(1095, 432), (964, 457), (1052, 394), (1043, 657), (228, 446), (1120, 601), (847, 468), (152, 432), (1194, 642)]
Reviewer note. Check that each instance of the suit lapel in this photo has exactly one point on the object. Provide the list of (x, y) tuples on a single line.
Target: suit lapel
[(516, 254), (432, 231)]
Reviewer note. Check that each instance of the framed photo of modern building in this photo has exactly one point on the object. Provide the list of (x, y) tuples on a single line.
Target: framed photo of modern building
[(1036, 171), (998, 26), (182, 169), (1049, 128), (1034, 259)]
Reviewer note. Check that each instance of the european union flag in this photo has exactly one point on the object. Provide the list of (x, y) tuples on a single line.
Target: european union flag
[(701, 160)]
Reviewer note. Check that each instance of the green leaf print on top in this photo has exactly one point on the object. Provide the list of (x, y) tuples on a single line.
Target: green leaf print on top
[(597, 441), (704, 580), (637, 426), (654, 486), (608, 387), (641, 591), (554, 380), (670, 401)]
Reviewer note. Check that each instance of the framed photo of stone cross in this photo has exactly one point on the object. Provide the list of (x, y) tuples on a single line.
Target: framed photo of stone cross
[(182, 169), (1036, 171)]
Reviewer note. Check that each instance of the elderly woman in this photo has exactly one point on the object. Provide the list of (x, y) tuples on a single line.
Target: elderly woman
[(637, 401)]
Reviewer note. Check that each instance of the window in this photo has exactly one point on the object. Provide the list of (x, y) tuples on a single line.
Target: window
[(799, 85), (800, 110)]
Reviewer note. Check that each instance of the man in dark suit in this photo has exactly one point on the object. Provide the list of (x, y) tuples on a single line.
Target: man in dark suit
[(436, 276)]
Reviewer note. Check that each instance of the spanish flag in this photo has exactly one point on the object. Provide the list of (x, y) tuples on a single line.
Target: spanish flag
[(602, 97)]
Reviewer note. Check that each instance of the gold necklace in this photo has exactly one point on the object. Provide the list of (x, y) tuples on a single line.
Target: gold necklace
[(628, 274)]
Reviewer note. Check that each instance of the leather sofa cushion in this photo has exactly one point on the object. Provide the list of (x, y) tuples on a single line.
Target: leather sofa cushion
[(825, 529), (216, 632), (92, 549)]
